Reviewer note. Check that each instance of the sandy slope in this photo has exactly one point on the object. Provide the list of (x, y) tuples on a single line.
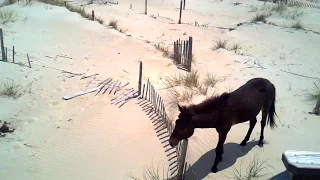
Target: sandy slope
[(104, 142)]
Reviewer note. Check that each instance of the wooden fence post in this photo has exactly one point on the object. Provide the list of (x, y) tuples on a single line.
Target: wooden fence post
[(145, 7), (190, 53), (29, 61), (180, 12), (182, 158), (13, 54), (6, 54), (140, 79), (92, 15), (2, 46)]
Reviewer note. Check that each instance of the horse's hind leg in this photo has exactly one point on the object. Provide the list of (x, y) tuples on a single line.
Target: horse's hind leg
[(252, 124), (263, 124)]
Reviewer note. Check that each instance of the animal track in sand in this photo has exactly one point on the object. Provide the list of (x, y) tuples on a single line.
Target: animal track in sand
[(58, 90), (54, 103)]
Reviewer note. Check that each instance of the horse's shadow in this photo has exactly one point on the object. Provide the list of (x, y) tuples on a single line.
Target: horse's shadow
[(232, 151)]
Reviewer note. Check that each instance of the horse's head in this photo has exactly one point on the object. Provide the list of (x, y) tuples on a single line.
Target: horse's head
[(183, 128)]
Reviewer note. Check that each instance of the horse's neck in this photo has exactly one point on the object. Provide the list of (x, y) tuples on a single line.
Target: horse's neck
[(205, 121)]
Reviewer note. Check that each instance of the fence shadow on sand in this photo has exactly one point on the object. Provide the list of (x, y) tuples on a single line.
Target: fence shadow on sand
[(232, 151)]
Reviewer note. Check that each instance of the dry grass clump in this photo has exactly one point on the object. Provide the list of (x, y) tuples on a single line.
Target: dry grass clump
[(314, 96), (291, 11), (10, 89), (220, 43), (165, 50), (114, 25), (190, 80), (260, 17), (80, 10), (73, 8), (53, 2), (7, 3), (235, 47), (7, 16), (210, 81), (100, 20), (297, 25), (183, 87), (256, 170), (152, 173)]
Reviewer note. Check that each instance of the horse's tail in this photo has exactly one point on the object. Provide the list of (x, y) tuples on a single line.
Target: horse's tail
[(272, 111)]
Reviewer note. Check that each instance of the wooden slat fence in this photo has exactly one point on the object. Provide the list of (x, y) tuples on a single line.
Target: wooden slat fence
[(152, 103), (182, 53), (299, 3)]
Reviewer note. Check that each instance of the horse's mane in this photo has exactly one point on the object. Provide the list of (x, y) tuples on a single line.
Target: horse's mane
[(210, 104)]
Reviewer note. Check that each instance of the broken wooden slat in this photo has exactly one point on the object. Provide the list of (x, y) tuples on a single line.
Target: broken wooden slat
[(107, 88), (104, 83), (93, 78), (84, 76), (114, 86), (81, 93)]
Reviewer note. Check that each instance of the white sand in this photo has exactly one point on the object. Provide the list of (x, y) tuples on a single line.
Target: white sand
[(105, 142)]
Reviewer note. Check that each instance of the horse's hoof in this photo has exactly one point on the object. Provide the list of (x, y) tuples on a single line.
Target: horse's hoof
[(243, 143), (260, 144), (214, 169)]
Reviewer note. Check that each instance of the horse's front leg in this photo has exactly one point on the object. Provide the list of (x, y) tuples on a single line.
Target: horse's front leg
[(219, 149)]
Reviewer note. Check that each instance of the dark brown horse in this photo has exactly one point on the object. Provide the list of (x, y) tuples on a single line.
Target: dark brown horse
[(224, 111)]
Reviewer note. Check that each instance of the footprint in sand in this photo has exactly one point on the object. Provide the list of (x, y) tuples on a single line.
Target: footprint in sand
[(16, 146), (53, 103), (58, 89)]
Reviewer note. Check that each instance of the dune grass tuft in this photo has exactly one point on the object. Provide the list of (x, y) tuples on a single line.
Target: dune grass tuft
[(7, 16), (260, 17), (235, 47), (314, 96), (165, 50), (256, 170), (11, 89), (220, 43), (297, 25)]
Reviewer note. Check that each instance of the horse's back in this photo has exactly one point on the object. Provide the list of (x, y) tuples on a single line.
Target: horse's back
[(251, 97)]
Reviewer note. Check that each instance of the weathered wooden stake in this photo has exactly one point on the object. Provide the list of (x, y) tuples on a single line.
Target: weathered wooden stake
[(13, 54), (190, 53), (140, 78), (29, 61), (143, 91), (2, 45), (147, 90), (145, 7), (6, 54), (182, 158), (180, 12), (92, 15)]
